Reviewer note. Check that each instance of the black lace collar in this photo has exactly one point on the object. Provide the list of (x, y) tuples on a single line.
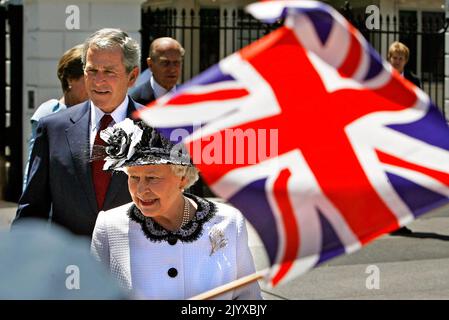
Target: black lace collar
[(188, 233)]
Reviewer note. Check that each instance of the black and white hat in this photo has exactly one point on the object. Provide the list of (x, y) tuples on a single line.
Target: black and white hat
[(130, 143)]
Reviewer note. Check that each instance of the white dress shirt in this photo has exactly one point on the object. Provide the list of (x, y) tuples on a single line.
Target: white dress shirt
[(158, 90), (118, 115)]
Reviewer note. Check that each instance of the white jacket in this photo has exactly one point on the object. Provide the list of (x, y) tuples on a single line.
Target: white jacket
[(143, 265)]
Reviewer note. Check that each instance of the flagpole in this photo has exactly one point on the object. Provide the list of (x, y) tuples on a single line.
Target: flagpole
[(231, 285)]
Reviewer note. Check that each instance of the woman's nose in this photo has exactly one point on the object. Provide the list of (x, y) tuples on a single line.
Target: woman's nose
[(143, 188)]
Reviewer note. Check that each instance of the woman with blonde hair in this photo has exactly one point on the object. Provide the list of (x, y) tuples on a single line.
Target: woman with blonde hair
[(398, 56)]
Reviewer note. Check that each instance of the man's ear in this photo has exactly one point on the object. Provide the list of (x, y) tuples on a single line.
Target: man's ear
[(133, 76), (150, 63)]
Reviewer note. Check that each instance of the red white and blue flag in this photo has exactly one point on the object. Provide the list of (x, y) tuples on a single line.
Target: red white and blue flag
[(360, 151)]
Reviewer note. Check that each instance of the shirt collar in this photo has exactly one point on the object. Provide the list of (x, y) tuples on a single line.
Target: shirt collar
[(119, 114), (158, 90)]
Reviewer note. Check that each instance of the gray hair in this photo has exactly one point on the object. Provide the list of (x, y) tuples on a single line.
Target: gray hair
[(189, 172), (109, 38)]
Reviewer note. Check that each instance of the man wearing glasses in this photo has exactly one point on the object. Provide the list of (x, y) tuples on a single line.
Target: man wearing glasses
[(165, 62)]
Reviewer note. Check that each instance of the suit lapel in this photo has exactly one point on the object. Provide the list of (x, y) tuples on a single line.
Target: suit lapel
[(119, 184), (147, 92), (78, 138)]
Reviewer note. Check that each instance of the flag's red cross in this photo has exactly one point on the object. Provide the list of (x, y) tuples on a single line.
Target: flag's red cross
[(315, 124), (313, 121)]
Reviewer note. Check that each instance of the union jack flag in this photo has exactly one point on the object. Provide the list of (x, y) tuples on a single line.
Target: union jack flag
[(360, 150)]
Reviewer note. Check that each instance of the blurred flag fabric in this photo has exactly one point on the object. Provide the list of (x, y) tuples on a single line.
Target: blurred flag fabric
[(358, 150)]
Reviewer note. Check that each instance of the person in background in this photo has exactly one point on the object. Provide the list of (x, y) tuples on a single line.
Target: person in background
[(71, 75), (66, 182), (398, 56), (166, 243), (165, 62)]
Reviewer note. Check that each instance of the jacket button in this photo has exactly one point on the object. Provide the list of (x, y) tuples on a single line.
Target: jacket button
[(172, 240), (172, 272)]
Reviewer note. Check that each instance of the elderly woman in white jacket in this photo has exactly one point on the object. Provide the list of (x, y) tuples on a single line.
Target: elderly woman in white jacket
[(167, 244)]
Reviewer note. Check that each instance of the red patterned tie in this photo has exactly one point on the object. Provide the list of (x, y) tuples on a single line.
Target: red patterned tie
[(100, 177)]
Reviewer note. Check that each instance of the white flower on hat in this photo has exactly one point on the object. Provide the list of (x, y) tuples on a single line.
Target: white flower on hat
[(121, 141)]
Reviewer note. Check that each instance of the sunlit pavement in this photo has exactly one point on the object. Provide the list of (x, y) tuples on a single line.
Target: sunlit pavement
[(415, 266)]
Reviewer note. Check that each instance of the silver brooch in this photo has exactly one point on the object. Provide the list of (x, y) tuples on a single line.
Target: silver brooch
[(217, 239)]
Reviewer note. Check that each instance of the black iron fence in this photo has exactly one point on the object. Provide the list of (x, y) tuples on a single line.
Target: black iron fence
[(11, 93), (211, 34)]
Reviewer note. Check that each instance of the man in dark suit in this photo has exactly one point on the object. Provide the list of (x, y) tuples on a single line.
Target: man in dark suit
[(398, 55), (66, 182), (165, 62)]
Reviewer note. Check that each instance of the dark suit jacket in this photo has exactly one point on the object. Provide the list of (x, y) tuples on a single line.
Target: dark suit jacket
[(143, 93), (412, 78), (60, 186)]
